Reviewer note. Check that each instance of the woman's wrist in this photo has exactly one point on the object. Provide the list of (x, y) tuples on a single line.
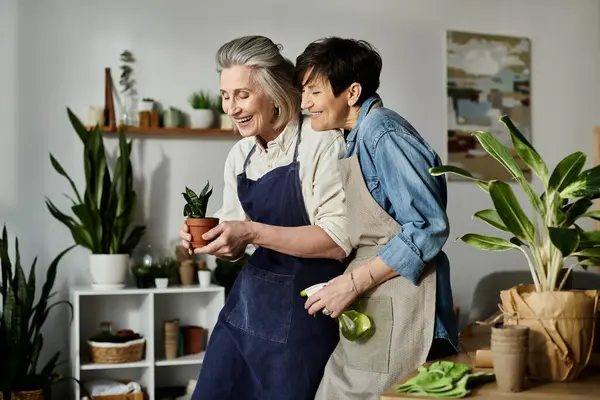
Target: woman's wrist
[(362, 279)]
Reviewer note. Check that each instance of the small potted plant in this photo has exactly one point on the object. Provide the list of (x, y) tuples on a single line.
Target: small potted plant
[(195, 213), (204, 274), (163, 271), (147, 104), (202, 115)]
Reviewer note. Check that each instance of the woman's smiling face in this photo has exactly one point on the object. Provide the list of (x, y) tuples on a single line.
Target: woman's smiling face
[(246, 102)]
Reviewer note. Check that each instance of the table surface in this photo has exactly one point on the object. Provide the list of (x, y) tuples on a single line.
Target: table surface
[(474, 338)]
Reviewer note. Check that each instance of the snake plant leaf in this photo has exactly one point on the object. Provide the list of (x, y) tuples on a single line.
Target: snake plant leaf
[(574, 211), (566, 172), (510, 211), (450, 169), (565, 240), (58, 168), (492, 218), (526, 151), (501, 154), (587, 184), (487, 242)]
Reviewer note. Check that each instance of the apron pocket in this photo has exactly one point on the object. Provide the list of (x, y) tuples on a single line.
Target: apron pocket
[(372, 354), (265, 304)]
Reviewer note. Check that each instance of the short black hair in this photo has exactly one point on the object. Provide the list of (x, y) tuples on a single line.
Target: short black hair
[(343, 62)]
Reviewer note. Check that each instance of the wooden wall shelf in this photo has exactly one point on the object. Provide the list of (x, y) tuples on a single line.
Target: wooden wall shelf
[(169, 131)]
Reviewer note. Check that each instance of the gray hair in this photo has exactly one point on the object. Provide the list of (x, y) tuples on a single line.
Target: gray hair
[(271, 70)]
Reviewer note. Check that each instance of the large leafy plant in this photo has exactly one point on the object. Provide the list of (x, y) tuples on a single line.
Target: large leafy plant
[(195, 206), (21, 322), (551, 235), (104, 214)]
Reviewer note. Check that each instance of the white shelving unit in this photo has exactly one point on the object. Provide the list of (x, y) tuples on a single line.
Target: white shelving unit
[(143, 311)]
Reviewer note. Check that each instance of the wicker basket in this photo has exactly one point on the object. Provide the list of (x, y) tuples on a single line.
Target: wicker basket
[(28, 395), (116, 353)]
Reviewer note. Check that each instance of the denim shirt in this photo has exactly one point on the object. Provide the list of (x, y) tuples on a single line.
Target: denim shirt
[(395, 162)]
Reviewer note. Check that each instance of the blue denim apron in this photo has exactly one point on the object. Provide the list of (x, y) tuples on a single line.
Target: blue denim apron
[(265, 345)]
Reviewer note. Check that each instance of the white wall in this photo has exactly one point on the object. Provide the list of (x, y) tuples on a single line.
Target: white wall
[(63, 46)]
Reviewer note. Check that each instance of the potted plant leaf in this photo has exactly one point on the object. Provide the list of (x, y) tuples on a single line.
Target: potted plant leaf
[(552, 242), (103, 216), (195, 213), (21, 322), (202, 115)]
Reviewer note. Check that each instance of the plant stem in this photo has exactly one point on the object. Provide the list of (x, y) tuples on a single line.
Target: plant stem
[(532, 270), (564, 279)]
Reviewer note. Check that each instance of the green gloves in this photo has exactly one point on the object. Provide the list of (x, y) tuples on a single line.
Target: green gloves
[(444, 379)]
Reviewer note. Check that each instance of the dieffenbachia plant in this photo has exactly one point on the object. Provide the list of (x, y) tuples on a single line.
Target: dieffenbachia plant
[(551, 235)]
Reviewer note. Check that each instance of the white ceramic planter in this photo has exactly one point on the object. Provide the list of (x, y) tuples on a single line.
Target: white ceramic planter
[(146, 106), (161, 283), (202, 119), (204, 278), (109, 269)]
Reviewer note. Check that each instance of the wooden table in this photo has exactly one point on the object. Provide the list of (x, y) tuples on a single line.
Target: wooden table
[(476, 337)]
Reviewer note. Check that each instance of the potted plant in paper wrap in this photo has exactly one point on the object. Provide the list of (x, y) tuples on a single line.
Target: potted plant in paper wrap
[(561, 322), (21, 322), (202, 115), (103, 215), (195, 211)]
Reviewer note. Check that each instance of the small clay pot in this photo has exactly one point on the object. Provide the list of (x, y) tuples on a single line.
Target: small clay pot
[(193, 339), (198, 227)]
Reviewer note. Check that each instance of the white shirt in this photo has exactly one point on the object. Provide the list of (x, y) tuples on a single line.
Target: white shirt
[(318, 154)]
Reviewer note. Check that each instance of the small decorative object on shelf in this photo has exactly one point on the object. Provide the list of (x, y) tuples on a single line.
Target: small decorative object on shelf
[(202, 114), (195, 211), (147, 104), (128, 90), (163, 271), (171, 339), (204, 274), (123, 347), (96, 116), (172, 118), (193, 339)]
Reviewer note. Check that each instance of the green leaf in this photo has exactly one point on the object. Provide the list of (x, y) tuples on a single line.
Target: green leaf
[(58, 168), (593, 252), (587, 184), (595, 214), (565, 240), (501, 154), (510, 211), (565, 173), (487, 242), (449, 169), (526, 151), (492, 218), (575, 211)]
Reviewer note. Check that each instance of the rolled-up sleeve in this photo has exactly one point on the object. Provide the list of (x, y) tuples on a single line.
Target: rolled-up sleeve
[(329, 199), (418, 200)]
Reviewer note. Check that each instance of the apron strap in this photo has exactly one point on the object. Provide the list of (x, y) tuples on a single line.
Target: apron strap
[(247, 160)]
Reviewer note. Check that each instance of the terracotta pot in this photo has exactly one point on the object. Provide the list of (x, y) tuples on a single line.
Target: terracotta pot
[(193, 339), (198, 227)]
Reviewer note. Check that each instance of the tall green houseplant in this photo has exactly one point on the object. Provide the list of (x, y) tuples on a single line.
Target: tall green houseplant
[(103, 216), (551, 234), (21, 323)]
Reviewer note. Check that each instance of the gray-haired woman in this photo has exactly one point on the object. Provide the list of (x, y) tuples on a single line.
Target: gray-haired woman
[(284, 195)]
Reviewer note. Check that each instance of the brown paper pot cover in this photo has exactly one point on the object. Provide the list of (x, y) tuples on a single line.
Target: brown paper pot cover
[(562, 326), (198, 227)]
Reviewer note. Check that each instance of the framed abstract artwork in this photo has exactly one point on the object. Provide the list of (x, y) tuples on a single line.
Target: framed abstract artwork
[(487, 76)]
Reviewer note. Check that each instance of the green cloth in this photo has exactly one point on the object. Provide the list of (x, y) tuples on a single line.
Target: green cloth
[(444, 379)]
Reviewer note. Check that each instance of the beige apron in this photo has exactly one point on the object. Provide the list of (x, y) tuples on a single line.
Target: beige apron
[(403, 314)]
